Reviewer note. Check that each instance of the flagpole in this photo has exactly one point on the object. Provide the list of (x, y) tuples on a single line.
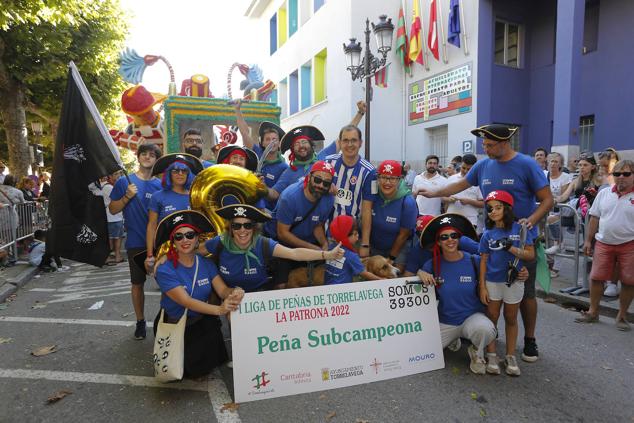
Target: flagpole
[(463, 27), (424, 43), (404, 103), (442, 30)]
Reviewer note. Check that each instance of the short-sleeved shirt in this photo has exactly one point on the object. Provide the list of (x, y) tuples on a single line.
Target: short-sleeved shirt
[(166, 201), (343, 270), (272, 173), (430, 206), (471, 193), (232, 267), (168, 277), (457, 295), (388, 220), (498, 261), (616, 216), (135, 212), (354, 184), (293, 205), (106, 190), (417, 257), (291, 176), (521, 177)]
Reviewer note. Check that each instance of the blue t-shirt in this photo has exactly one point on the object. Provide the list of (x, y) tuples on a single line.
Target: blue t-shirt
[(232, 267), (290, 176), (344, 269), (354, 184), (272, 173), (388, 220), (457, 295), (207, 164), (521, 177), (293, 205), (498, 261), (327, 151), (166, 201), (417, 257), (169, 278), (135, 214)]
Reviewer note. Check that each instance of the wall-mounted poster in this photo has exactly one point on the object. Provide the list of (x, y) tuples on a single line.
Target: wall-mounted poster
[(439, 96)]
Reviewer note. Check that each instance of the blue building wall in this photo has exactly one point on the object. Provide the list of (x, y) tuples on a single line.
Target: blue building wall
[(526, 96)]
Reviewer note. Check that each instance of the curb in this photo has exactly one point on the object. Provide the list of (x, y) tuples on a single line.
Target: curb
[(12, 284), (605, 309)]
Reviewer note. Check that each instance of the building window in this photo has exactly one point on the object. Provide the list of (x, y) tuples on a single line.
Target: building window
[(282, 23), (317, 4), (293, 93), (292, 17), (282, 97), (320, 75), (586, 132), (507, 44), (591, 26), (273, 33), (306, 84), (438, 141)]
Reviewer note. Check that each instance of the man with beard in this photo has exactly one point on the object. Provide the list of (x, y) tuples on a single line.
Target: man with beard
[(135, 213), (432, 180), (355, 181), (193, 144), (520, 175), (300, 215)]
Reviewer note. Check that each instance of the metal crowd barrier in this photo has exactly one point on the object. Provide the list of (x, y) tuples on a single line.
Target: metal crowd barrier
[(20, 221), (572, 252)]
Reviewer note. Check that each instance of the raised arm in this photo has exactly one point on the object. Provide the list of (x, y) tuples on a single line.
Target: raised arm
[(243, 127), (305, 254), (446, 191)]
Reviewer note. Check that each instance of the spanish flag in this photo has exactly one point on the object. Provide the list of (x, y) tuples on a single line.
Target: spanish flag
[(415, 43)]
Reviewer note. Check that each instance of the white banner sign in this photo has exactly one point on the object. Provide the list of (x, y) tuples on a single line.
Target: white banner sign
[(293, 341)]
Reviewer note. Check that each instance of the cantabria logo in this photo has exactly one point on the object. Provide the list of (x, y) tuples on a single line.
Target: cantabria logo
[(260, 380)]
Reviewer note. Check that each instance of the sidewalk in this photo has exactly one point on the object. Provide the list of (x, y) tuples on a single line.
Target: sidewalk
[(14, 277)]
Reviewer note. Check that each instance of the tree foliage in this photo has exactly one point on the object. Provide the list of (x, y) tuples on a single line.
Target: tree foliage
[(38, 39)]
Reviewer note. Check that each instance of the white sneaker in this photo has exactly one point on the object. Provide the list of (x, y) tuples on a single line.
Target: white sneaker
[(552, 250), (455, 345), (63, 269), (493, 364), (611, 290), (477, 365), (512, 369)]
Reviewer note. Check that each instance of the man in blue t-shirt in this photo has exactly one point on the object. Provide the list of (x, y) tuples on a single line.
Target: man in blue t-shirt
[(355, 180), (521, 176), (134, 199), (300, 215), (193, 144)]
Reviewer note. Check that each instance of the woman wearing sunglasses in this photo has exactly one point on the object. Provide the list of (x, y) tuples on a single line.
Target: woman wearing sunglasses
[(178, 174), (242, 253), (187, 282), (394, 213)]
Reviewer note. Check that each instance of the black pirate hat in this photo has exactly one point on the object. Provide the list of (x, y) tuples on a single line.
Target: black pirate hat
[(168, 224), (306, 131), (453, 220), (252, 158), (190, 161), (243, 210), (495, 132), (270, 125)]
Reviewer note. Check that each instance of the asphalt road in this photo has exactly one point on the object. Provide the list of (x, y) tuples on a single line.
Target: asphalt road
[(585, 373)]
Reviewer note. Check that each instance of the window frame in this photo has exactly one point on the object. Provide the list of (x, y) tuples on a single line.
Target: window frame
[(505, 48)]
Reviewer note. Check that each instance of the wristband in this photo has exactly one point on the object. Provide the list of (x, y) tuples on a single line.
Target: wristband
[(365, 245)]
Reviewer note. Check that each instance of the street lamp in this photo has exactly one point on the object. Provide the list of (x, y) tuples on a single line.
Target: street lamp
[(364, 69)]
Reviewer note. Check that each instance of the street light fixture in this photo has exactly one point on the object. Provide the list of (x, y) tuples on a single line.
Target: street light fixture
[(364, 69)]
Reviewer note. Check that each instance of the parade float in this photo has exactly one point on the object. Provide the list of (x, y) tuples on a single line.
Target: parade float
[(163, 118)]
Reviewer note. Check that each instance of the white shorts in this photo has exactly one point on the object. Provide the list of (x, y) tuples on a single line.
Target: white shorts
[(499, 291)]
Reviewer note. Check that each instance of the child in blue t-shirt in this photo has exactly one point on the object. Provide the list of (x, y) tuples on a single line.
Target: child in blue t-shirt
[(343, 229), (499, 246)]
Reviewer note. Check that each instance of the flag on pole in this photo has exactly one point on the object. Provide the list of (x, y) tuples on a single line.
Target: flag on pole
[(432, 36), (380, 77), (415, 44), (402, 46), (84, 152), (454, 23)]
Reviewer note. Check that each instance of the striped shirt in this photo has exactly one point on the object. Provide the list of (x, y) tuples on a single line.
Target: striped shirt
[(354, 184)]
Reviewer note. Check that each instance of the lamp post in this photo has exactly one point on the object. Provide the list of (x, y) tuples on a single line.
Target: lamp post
[(364, 69)]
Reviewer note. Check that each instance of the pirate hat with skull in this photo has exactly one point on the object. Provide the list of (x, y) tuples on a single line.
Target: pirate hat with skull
[(245, 211)]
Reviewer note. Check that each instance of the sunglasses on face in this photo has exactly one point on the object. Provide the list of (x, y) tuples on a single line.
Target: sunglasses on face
[(319, 181), (247, 225), (179, 236), (183, 171), (617, 174), (445, 237)]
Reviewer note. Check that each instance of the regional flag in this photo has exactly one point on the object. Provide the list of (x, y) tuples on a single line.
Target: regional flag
[(415, 51), (402, 47), (432, 36), (380, 77), (454, 23), (84, 152)]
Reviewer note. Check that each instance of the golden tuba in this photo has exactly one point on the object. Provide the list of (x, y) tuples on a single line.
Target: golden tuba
[(221, 185)]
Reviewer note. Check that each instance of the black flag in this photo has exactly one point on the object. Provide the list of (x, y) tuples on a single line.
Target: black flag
[(84, 152)]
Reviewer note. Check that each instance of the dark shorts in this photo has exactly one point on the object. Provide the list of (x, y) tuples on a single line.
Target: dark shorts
[(137, 275), (529, 284)]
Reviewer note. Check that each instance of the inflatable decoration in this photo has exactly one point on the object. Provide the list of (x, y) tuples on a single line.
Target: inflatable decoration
[(196, 86), (253, 86)]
